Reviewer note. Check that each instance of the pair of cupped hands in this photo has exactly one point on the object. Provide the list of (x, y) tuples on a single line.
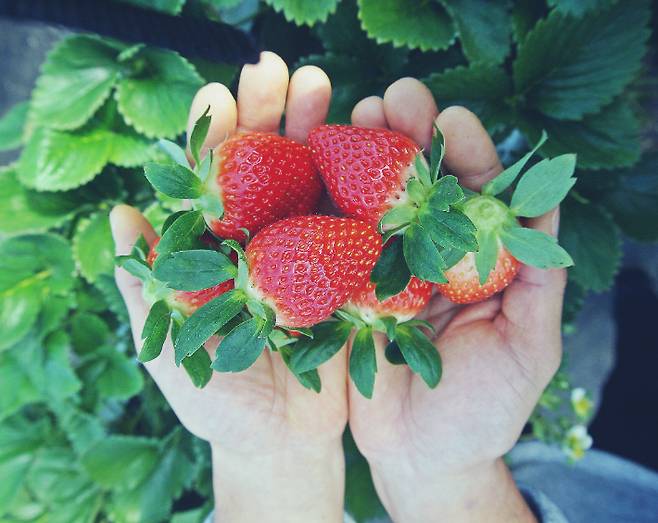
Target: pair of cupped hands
[(435, 455)]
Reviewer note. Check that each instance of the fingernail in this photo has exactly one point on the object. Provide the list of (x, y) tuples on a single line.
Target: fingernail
[(556, 221)]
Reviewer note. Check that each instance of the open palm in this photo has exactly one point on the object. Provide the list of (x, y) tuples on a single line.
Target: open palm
[(263, 408), (497, 355)]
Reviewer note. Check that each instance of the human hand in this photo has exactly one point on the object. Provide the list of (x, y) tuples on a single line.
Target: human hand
[(277, 450), (435, 454)]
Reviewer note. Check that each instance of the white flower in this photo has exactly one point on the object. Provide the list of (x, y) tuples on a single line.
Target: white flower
[(576, 442), (581, 403)]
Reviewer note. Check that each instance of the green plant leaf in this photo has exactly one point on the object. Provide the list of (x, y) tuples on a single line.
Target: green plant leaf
[(241, 347), (198, 368), (482, 88), (303, 12), (450, 229), (156, 103), (23, 210), (328, 338), (544, 186), (206, 321), (33, 258), (422, 256), (535, 248), (120, 377), (121, 462), (11, 126), (487, 255), (507, 177), (590, 235), (310, 380), (525, 14), (19, 309), (182, 234), (483, 28), (155, 331), (108, 288), (93, 247), (604, 140), (47, 164), (569, 67), (634, 202), (172, 7), (194, 270), (76, 79), (425, 26), (199, 134), (88, 332), (363, 363), (152, 499), (420, 354), (391, 274), (578, 7)]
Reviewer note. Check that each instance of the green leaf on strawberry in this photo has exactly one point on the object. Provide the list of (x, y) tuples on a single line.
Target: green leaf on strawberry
[(206, 321), (241, 347), (194, 270), (328, 338), (391, 273), (198, 368), (363, 363), (174, 180), (155, 331), (182, 234), (420, 354)]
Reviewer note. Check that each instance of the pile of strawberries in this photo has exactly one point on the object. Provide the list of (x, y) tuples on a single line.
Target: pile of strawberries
[(255, 263)]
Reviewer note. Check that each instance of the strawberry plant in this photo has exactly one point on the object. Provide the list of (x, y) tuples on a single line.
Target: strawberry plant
[(84, 433)]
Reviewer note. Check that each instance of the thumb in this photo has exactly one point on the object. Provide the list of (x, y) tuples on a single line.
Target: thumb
[(127, 225)]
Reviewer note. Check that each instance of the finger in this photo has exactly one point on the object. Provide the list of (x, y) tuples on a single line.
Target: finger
[(223, 112), (369, 112), (532, 305), (410, 109), (307, 105), (470, 154), (262, 94), (127, 225)]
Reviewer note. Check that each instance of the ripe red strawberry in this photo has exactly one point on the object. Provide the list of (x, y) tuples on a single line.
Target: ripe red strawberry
[(365, 170), (307, 267), (189, 301), (464, 283), (253, 180), (261, 178), (403, 306)]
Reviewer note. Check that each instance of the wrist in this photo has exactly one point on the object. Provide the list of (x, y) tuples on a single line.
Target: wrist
[(287, 485), (483, 492)]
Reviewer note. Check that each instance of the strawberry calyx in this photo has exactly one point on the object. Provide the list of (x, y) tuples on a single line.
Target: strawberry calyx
[(181, 179), (496, 214), (430, 223)]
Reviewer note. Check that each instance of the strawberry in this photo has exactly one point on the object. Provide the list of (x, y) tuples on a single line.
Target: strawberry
[(307, 267), (381, 177), (403, 306), (365, 170), (464, 283), (260, 178), (365, 314), (188, 301), (503, 244), (293, 274), (247, 182)]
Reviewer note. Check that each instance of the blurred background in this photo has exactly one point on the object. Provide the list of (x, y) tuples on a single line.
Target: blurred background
[(87, 88)]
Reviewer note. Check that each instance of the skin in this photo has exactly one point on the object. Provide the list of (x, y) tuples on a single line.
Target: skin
[(435, 454)]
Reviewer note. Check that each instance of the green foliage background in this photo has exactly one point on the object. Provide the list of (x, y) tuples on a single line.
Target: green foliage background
[(84, 434)]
